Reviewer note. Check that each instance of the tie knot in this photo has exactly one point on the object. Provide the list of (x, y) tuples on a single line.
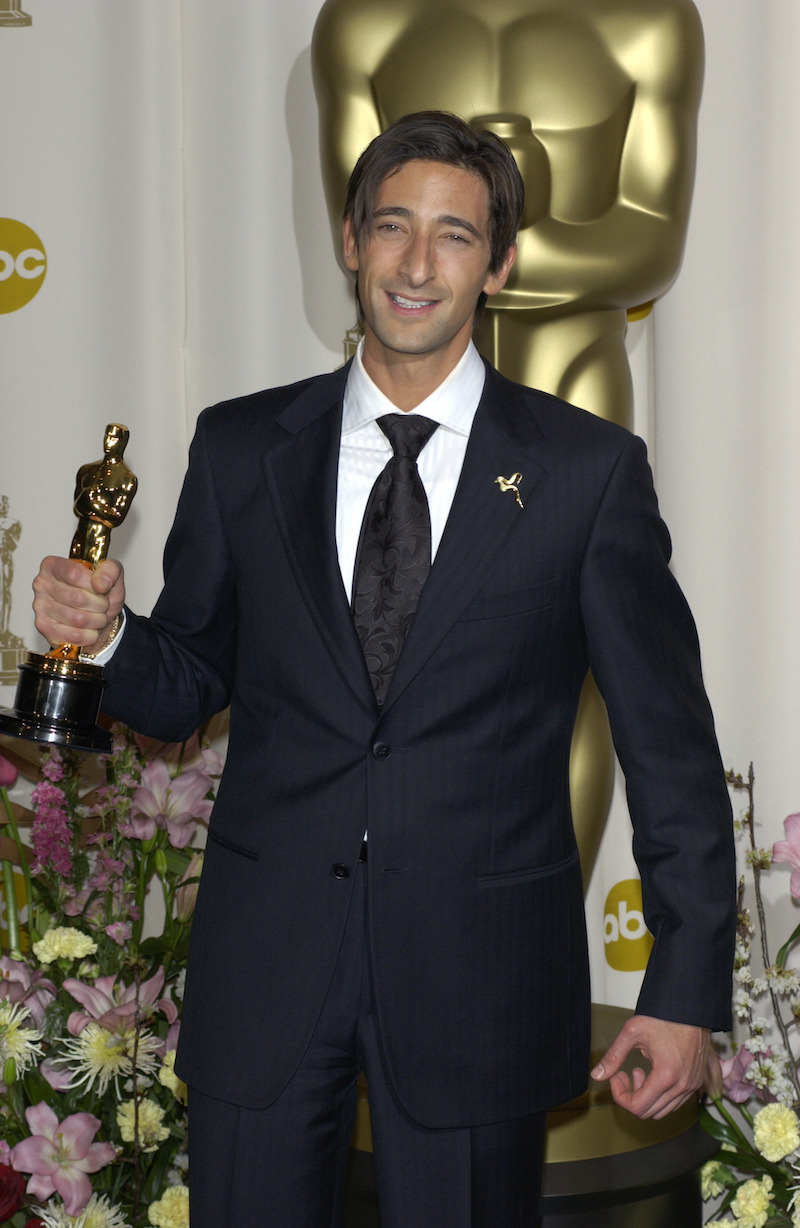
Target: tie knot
[(407, 433)]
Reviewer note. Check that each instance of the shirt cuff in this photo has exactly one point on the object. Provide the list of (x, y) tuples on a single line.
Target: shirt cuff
[(105, 655)]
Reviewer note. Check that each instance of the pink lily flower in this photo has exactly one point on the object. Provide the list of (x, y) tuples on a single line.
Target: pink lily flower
[(734, 1069), (18, 985), (8, 773), (186, 895), (60, 1154), (789, 850), (60, 1080), (114, 1005), (173, 804), (213, 761), (172, 1036), (190, 754)]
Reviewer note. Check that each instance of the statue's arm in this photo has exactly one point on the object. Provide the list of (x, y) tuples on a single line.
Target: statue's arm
[(632, 251)]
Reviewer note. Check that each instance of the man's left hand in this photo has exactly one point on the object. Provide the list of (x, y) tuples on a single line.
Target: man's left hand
[(679, 1055)]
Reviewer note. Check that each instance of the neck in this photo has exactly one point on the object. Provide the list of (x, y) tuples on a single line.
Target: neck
[(408, 379)]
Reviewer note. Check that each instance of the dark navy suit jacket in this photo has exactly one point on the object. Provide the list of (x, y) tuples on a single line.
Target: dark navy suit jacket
[(477, 927)]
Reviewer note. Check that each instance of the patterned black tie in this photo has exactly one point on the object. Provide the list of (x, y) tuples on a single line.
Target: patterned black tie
[(394, 550)]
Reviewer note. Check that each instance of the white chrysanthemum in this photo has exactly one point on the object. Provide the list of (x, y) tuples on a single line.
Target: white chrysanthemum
[(63, 942), (168, 1078), (98, 1056), (146, 1125), (23, 1044), (98, 1213), (751, 1204), (172, 1208), (710, 1184), (776, 1133)]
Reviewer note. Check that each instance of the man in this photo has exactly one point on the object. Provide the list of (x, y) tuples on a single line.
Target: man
[(445, 953)]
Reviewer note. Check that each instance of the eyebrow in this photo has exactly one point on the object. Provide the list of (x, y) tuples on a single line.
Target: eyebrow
[(446, 220)]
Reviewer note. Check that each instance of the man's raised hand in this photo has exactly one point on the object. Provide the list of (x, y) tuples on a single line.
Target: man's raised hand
[(74, 605)]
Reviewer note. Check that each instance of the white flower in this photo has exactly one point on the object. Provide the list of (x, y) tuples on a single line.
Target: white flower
[(710, 1184), (142, 1122), (21, 1044), (775, 1132), (168, 1078), (751, 1204), (172, 1209), (98, 1056), (98, 1213), (782, 980), (63, 942)]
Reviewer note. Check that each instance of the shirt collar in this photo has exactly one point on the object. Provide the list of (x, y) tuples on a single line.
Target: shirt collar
[(452, 404)]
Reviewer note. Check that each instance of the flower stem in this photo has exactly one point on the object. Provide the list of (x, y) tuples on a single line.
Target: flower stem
[(762, 926), (13, 831), (12, 919)]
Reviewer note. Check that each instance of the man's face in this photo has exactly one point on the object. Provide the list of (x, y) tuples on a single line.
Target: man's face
[(424, 263)]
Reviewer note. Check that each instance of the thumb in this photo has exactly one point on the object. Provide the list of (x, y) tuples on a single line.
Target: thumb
[(106, 575), (612, 1059)]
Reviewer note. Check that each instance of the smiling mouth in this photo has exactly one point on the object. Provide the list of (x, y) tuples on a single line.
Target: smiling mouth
[(412, 303)]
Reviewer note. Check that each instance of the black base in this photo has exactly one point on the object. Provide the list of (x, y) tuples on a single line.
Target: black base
[(655, 1187), (58, 702)]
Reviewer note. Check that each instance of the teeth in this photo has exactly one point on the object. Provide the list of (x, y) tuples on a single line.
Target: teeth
[(413, 303)]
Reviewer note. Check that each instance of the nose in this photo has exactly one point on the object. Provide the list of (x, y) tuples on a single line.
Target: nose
[(417, 264)]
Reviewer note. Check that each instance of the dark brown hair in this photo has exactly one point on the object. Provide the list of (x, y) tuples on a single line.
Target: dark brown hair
[(438, 136)]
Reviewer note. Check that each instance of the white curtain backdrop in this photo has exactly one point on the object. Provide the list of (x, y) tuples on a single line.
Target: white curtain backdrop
[(165, 156)]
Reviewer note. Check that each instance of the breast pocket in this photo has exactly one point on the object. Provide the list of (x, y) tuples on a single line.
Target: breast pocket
[(511, 604)]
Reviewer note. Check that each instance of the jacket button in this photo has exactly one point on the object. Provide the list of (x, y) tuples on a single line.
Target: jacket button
[(381, 751), (340, 871)]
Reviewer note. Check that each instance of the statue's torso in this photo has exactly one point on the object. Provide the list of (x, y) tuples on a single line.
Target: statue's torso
[(553, 65)]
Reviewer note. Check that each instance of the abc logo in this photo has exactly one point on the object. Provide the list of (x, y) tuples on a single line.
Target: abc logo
[(22, 264), (627, 939)]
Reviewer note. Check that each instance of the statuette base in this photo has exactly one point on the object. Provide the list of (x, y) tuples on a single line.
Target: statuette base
[(58, 702)]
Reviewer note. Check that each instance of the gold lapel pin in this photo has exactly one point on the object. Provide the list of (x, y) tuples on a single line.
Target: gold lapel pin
[(511, 483)]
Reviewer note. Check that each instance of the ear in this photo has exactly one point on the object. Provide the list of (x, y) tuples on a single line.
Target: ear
[(495, 281), (350, 245)]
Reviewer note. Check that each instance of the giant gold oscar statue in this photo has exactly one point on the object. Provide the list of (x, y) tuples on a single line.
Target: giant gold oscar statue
[(598, 101)]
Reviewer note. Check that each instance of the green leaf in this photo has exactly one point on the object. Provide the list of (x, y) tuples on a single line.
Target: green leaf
[(780, 959), (37, 1089)]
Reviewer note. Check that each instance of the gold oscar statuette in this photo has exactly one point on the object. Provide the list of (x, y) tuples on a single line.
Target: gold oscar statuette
[(59, 693)]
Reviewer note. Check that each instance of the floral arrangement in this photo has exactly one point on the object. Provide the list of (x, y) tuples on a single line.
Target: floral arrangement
[(756, 1105), (92, 1115)]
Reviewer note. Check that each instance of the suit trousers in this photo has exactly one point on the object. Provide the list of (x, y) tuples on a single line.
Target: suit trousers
[(284, 1166)]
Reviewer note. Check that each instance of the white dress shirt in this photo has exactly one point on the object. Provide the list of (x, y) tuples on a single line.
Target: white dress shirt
[(364, 451)]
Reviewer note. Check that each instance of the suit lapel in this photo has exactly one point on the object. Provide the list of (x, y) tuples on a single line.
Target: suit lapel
[(302, 477), (504, 440)]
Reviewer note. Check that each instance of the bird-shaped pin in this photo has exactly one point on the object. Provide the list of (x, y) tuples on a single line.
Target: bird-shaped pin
[(511, 483)]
